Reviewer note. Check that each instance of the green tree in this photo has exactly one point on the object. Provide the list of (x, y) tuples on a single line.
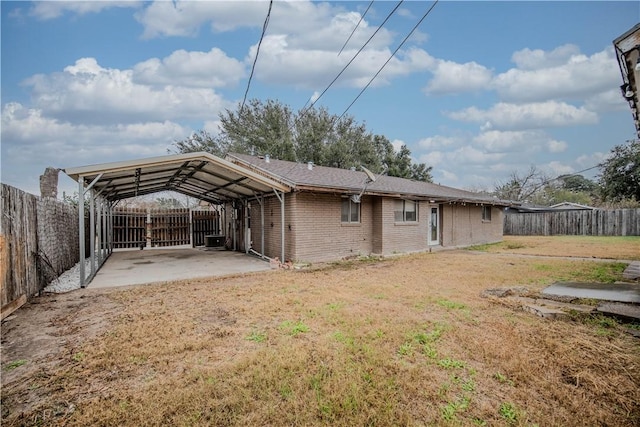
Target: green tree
[(620, 173), (578, 183), (312, 135), (202, 141)]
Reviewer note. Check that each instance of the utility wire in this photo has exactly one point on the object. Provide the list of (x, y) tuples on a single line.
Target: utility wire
[(356, 27), (352, 59), (253, 67), (390, 57)]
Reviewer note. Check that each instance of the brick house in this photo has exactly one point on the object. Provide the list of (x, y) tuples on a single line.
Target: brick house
[(324, 221)]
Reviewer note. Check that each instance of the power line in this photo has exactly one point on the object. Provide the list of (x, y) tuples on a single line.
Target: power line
[(356, 27), (390, 57), (253, 67), (352, 59)]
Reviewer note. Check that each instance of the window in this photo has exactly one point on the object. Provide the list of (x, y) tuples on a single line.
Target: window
[(350, 211), (486, 213), (406, 211)]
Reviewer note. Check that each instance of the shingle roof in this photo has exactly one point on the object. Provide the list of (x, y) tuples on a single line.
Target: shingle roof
[(322, 178)]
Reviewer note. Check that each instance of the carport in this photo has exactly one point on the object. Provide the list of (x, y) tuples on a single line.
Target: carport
[(200, 175)]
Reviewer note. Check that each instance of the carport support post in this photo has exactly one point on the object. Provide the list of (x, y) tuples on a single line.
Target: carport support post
[(81, 228), (100, 230), (247, 238), (262, 225), (92, 230), (281, 198)]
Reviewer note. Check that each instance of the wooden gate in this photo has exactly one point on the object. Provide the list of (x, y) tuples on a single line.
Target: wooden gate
[(135, 227), (204, 223)]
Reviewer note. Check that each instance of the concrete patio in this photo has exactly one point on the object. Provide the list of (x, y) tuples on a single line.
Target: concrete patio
[(134, 267)]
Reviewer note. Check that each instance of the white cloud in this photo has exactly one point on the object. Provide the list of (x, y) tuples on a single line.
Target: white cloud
[(315, 96), (34, 141), (610, 100), (536, 59), (557, 168), (448, 175), (301, 43), (190, 69), (589, 160), (528, 116), (432, 158), (279, 63), (451, 77), (438, 142), (518, 141), (397, 144), (184, 18), (45, 10), (86, 92), (556, 146), (555, 76)]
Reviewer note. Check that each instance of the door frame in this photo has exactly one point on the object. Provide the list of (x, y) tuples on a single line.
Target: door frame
[(430, 218)]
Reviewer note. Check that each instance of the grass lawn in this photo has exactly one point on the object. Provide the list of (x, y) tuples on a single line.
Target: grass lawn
[(618, 247), (404, 341)]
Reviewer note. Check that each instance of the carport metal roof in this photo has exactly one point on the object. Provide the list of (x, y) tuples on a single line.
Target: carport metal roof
[(200, 175)]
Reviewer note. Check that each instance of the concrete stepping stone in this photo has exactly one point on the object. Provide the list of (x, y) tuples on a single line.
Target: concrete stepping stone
[(632, 272)]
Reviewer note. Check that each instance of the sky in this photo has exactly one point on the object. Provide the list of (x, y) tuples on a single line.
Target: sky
[(481, 90)]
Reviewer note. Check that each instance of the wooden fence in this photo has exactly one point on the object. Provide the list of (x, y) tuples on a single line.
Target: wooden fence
[(133, 228), (38, 242), (599, 222)]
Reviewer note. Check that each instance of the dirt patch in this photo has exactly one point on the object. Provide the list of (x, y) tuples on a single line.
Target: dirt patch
[(403, 341), (43, 336)]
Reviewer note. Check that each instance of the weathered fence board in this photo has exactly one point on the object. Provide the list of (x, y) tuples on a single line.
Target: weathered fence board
[(133, 228), (129, 228), (38, 242), (598, 222), (170, 227), (204, 223)]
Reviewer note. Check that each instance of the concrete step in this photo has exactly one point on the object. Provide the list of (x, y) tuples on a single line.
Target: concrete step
[(632, 272), (550, 309), (631, 311)]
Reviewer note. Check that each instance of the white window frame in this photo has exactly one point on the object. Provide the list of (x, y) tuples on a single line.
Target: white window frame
[(486, 213), (403, 212), (350, 212)]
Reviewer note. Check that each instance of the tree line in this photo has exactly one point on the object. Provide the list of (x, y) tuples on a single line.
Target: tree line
[(311, 135), (617, 185), (315, 135)]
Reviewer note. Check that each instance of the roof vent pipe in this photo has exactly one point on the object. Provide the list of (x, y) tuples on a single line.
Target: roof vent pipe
[(266, 158), (310, 166)]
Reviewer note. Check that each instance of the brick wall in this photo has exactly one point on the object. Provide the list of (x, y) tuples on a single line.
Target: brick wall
[(398, 237), (463, 225), (314, 231), (320, 234)]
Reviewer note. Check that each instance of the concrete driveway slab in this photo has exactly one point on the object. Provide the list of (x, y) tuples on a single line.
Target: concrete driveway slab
[(133, 267)]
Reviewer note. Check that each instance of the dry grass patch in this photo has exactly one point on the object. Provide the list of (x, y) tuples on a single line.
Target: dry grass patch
[(605, 247), (406, 341)]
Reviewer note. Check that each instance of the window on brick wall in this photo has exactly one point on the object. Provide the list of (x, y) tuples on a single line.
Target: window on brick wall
[(486, 213), (405, 211), (350, 211)]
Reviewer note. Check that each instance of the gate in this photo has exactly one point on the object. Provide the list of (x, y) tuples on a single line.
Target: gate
[(136, 228), (204, 223)]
